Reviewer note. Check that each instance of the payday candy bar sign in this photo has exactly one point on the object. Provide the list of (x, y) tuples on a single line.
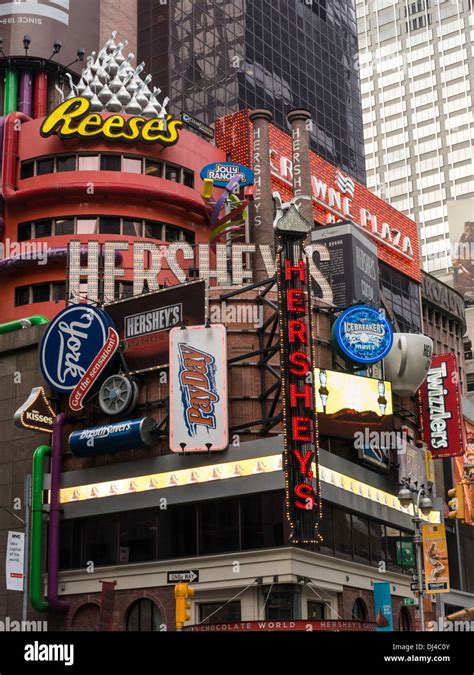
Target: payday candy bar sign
[(441, 408), (198, 389), (75, 350)]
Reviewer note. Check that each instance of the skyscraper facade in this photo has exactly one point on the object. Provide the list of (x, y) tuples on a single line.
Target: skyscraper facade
[(215, 57), (417, 83)]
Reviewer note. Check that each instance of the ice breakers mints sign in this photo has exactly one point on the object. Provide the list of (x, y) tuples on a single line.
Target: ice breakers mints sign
[(198, 389), (363, 334), (76, 348)]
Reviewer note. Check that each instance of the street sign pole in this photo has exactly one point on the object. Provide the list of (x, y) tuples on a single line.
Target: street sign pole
[(27, 502)]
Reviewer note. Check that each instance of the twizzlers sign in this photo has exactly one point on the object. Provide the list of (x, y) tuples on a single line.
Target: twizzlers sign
[(441, 408), (300, 465)]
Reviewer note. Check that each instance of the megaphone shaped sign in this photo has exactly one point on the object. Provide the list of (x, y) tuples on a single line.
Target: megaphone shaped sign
[(408, 362)]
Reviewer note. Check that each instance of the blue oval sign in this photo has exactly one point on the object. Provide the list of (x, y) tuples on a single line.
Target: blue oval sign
[(363, 334), (71, 343), (222, 172)]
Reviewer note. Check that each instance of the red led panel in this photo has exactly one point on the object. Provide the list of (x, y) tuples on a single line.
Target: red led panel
[(336, 196)]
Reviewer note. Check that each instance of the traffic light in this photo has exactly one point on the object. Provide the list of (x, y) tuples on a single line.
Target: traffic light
[(182, 592), (456, 502)]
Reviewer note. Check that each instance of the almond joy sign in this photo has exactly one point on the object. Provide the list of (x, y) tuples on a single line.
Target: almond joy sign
[(76, 348)]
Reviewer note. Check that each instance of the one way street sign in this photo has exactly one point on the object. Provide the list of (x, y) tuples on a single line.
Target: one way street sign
[(188, 576)]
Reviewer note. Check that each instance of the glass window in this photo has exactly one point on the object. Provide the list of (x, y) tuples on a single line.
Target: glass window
[(404, 620), (326, 529), (171, 233), (87, 225), (188, 178), (261, 518), (177, 531), (24, 231), (59, 291), (41, 293), (88, 163), (280, 604), (43, 228), (22, 296), (172, 173), (66, 163), (132, 165), (27, 169), (109, 225), (359, 610), (110, 163), (144, 616), (316, 611), (342, 533), (123, 289), (138, 536), (392, 537), (377, 543), (153, 168), (220, 612), (153, 230), (132, 228), (64, 226), (100, 540), (188, 236), (219, 526), (360, 536), (44, 166)]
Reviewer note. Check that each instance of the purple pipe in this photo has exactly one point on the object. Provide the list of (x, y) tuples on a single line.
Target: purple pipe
[(26, 93), (54, 513), (2, 202)]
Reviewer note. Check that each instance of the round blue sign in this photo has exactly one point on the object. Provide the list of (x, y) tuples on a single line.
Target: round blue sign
[(363, 334), (71, 342), (223, 172)]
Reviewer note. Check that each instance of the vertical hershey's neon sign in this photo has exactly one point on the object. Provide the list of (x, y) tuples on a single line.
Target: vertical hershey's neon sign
[(300, 455)]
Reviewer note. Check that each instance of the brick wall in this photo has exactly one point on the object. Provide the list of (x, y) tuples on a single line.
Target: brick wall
[(85, 610), (347, 598), (119, 15)]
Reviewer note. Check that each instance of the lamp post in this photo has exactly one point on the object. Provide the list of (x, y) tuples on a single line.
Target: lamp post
[(421, 503)]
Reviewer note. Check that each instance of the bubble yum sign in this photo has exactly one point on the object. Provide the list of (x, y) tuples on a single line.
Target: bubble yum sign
[(76, 348)]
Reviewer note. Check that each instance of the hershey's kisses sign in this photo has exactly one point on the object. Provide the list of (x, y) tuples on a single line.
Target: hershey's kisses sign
[(36, 413), (300, 461)]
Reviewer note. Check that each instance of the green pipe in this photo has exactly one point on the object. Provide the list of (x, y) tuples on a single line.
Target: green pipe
[(11, 91), (11, 326), (36, 567)]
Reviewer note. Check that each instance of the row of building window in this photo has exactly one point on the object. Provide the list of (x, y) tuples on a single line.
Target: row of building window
[(55, 291), (106, 162), (132, 227), (245, 523)]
